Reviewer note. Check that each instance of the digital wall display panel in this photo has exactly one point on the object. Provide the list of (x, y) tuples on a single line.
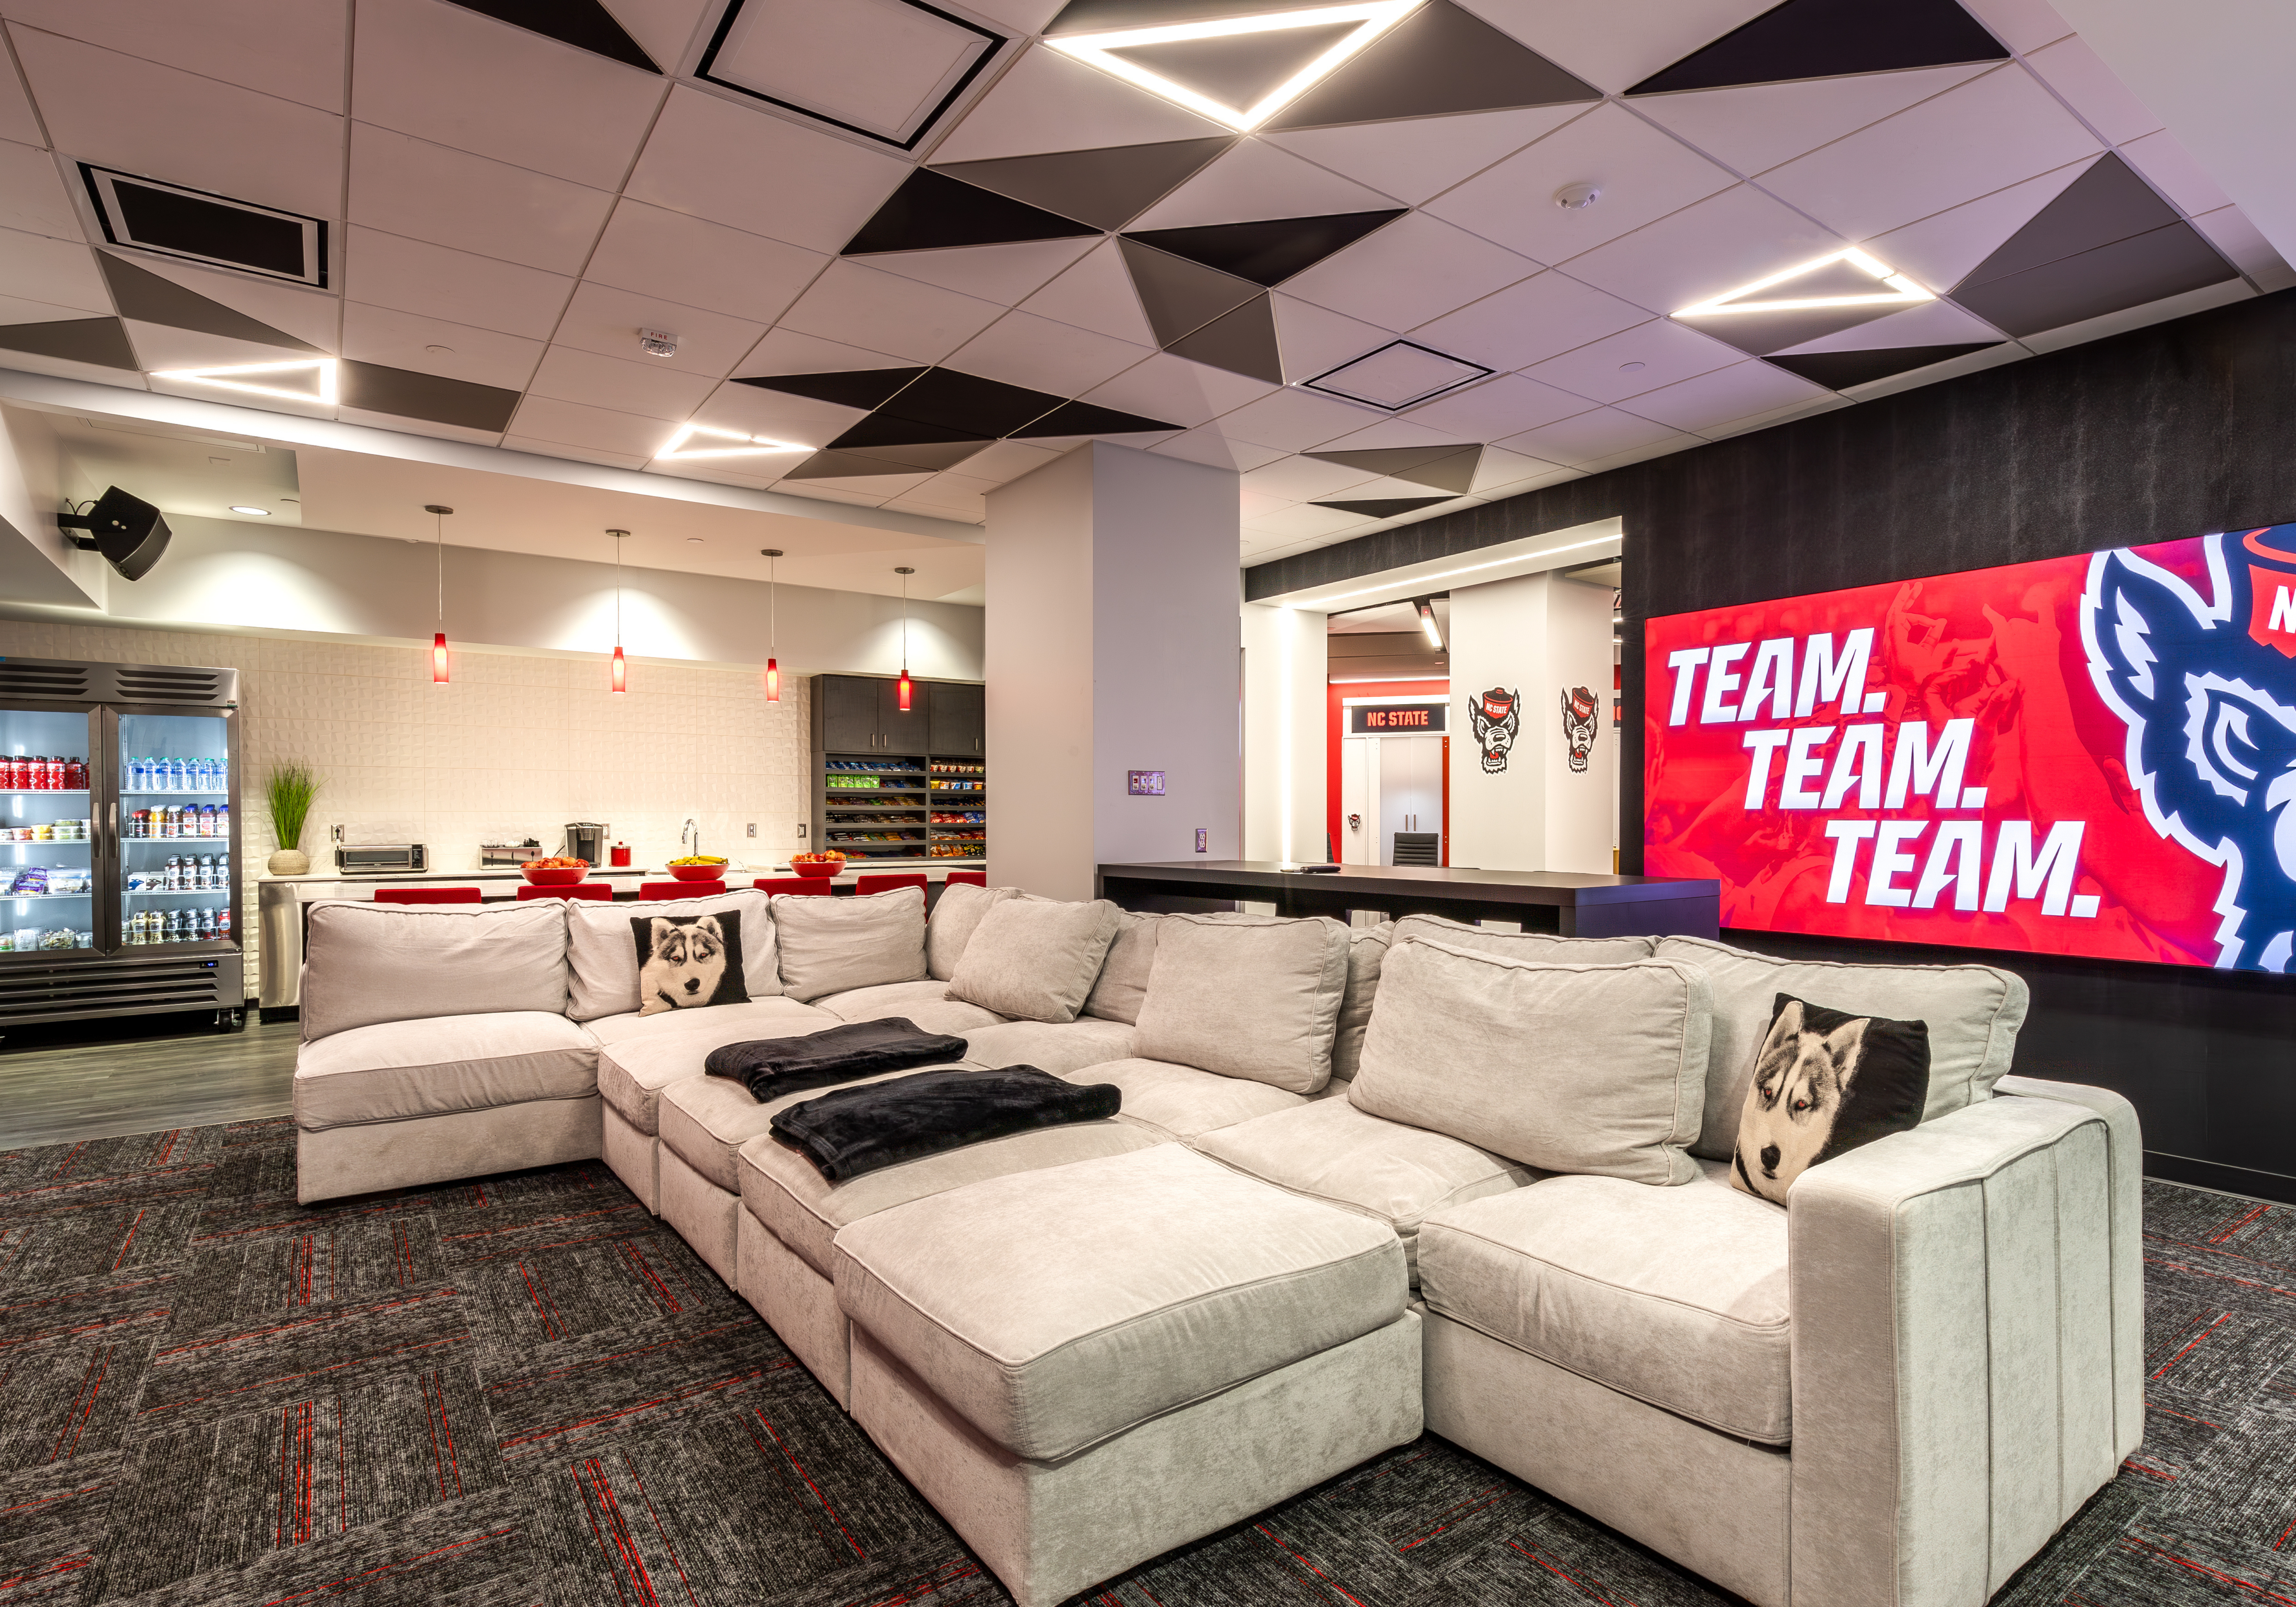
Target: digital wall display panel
[(2092, 754)]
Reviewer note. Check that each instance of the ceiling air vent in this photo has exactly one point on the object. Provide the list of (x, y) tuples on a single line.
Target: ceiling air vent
[(42, 678), (153, 215), (167, 684)]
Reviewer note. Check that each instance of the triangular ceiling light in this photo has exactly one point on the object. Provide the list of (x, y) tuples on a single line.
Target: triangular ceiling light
[(584, 24), (1846, 279), (1441, 61), (306, 380), (696, 441), (1238, 70)]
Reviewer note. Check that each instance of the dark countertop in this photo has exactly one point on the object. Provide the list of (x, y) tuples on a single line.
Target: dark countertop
[(1496, 887)]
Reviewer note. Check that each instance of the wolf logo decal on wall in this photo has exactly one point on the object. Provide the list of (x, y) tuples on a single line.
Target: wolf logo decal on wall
[(1495, 718), (2207, 687), (1578, 707)]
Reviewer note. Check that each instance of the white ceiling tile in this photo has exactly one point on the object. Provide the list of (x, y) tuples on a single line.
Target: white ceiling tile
[(543, 447), (17, 309), (1006, 275), (2229, 230), (1551, 476), (605, 320), (1305, 519), (61, 271), (411, 187), (1048, 102), (401, 424), (775, 415), (254, 147), (1250, 504), (1643, 174), (1666, 446), (1503, 473), (32, 196), (2022, 25), (667, 31), (313, 317), (1592, 438), (1254, 180), (17, 120), (651, 388), (932, 504), (1996, 130), (461, 287), (1932, 324), (741, 164), (698, 262), (2075, 71), (786, 351), (1291, 420), (1020, 16), (1712, 399), (1416, 269), (1595, 42), (484, 357), (1291, 480), (1423, 157), (161, 346), (1095, 295), (1315, 339), (882, 486), (1755, 126), (32, 362), (1705, 251), (1165, 387), (1939, 250), (1606, 371), (2162, 159), (1208, 446), (1499, 406), (820, 492), (1021, 348), (290, 48), (449, 75), (1390, 432), (1746, 424), (1001, 462), (600, 429), (922, 323), (1524, 322)]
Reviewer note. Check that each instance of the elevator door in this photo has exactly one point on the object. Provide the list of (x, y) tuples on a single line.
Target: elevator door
[(1410, 789)]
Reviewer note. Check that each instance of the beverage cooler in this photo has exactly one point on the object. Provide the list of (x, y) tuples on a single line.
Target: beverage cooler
[(119, 840)]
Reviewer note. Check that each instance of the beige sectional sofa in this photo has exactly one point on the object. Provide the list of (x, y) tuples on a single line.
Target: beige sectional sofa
[(1363, 1181)]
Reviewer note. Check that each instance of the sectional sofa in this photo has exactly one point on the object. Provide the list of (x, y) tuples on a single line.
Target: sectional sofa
[(1364, 1180)]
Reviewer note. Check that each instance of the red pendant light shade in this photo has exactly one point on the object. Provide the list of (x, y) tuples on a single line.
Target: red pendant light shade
[(905, 686), (773, 626), (904, 692), (773, 681), (622, 670), (439, 658), (438, 638)]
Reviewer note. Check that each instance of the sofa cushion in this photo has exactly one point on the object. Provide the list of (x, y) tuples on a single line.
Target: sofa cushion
[(956, 916), (787, 1193), (1329, 1150), (926, 1004), (1544, 948), (1054, 1308), (1566, 1068), (1035, 959), (365, 964), (1367, 953), (643, 1054), (705, 1120), (440, 1064), (1974, 1013), (1825, 1083), (838, 944), (1180, 1102), (603, 947), (1123, 981), (1253, 997), (1676, 1296), (1058, 1048)]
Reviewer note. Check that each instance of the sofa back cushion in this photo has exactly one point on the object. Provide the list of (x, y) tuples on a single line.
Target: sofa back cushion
[(1366, 950), (956, 916), (1254, 996), (1589, 1069), (836, 944), (1974, 1013), (1035, 959), (603, 947), (1542, 948), (1123, 981), (368, 964)]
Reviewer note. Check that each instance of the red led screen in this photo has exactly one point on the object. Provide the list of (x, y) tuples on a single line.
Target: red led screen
[(2092, 754)]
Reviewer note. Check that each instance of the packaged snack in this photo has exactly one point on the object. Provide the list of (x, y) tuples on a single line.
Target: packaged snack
[(32, 881), (61, 937)]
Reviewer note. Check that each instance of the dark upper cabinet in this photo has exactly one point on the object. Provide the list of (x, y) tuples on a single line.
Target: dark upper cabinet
[(957, 725), (848, 714), (900, 732)]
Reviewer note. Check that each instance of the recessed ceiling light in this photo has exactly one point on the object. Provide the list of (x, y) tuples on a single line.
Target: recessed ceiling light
[(750, 445), (694, 541), (1893, 288), (1630, 368), (1372, 19), (241, 507), (234, 378)]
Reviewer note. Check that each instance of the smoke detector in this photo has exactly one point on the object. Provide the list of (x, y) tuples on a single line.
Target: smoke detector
[(657, 343), (1577, 198)]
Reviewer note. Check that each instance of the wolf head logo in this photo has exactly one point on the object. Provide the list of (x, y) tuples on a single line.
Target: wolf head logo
[(2207, 687), (1495, 718), (1579, 706)]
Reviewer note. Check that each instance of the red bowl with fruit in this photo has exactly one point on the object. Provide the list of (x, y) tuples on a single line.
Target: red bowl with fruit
[(698, 867), (555, 872), (817, 864)]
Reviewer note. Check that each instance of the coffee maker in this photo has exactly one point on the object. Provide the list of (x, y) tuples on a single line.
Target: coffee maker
[(586, 840)]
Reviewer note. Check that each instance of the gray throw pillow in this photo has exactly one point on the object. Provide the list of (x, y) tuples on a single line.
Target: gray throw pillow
[(1253, 997), (1124, 975), (1366, 951), (1539, 948), (956, 914), (368, 964), (1035, 959), (836, 944)]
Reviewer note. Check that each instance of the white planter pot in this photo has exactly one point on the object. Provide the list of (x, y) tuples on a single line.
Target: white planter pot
[(289, 862)]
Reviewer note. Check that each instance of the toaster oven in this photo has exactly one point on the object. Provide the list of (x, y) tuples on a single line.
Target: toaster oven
[(379, 857)]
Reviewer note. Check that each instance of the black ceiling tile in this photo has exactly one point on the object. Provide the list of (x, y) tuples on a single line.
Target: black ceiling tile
[(1445, 468), (583, 23), (98, 341), (148, 299), (1841, 370), (1829, 39), (1241, 342), (1087, 418), (376, 387), (1439, 59), (932, 212), (1266, 253), (982, 409), (1237, 70), (927, 456), (854, 388), (2109, 279), (882, 429), (846, 465), (1107, 187), (1178, 296), (1759, 334), (1384, 507), (2107, 203)]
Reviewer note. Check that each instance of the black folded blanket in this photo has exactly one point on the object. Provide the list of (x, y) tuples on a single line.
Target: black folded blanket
[(771, 1067), (858, 1130)]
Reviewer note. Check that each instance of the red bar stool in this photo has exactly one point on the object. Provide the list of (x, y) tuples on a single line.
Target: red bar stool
[(602, 890), (648, 890), (427, 895), (795, 886), (864, 885), (969, 877)]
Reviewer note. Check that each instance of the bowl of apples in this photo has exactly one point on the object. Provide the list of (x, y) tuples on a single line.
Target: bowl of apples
[(825, 864), (557, 871)]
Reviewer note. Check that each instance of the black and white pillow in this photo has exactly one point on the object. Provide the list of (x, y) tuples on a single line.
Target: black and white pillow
[(688, 962), (1825, 1083)]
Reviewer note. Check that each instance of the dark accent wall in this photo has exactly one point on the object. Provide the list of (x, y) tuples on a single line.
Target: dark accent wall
[(2178, 429)]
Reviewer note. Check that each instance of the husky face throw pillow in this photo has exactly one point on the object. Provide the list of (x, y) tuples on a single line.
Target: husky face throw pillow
[(1825, 1083), (687, 962)]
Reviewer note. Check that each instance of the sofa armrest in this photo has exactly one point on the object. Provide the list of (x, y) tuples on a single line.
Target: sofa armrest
[(1961, 1384)]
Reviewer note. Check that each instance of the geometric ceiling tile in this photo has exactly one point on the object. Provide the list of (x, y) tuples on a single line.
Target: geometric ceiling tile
[(1932, 324), (1048, 102), (1841, 370), (2106, 279), (1268, 252), (1837, 291), (584, 24), (849, 465), (886, 70), (1179, 296), (933, 456), (1759, 333), (1086, 16), (302, 311), (1106, 188), (865, 387), (1384, 507), (1237, 70), (1755, 126), (376, 387), (985, 409), (98, 341), (2106, 203), (1086, 418), (1241, 342), (1400, 374), (1419, 159), (883, 431), (1095, 295), (1254, 179), (1440, 60), (1002, 274), (931, 211), (1944, 248), (149, 299), (1832, 38), (1447, 468)]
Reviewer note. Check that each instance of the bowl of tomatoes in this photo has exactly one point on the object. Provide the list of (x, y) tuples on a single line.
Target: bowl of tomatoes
[(698, 867), (557, 871), (826, 863)]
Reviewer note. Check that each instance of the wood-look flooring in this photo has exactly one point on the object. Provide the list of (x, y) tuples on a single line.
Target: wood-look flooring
[(123, 1077)]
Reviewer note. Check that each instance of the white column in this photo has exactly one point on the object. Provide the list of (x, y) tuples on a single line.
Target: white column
[(1111, 646), (1286, 671)]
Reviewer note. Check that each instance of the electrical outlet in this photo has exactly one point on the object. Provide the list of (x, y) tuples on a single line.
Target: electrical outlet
[(336, 832), (800, 831), (753, 828)]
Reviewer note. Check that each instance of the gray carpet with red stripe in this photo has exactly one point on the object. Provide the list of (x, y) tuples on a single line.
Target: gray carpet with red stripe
[(527, 1390)]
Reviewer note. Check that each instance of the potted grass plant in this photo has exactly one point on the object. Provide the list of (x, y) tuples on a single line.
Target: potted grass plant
[(288, 791)]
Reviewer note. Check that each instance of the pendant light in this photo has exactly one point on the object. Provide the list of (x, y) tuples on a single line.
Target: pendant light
[(438, 638), (622, 670), (905, 689), (773, 629)]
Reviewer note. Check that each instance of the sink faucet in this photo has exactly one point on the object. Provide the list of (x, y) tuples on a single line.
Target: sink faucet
[(689, 837)]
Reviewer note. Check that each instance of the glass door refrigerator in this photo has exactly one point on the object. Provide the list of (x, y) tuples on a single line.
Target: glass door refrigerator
[(120, 834)]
